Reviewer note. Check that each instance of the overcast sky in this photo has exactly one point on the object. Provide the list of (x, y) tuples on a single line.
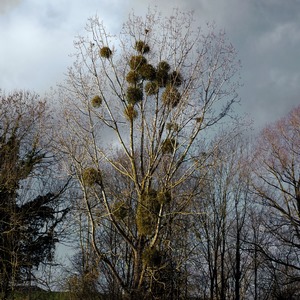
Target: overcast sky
[(37, 38)]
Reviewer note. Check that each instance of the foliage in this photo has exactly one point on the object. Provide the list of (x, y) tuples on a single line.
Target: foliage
[(29, 217)]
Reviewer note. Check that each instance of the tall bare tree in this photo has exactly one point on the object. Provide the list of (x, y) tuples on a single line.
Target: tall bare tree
[(137, 107)]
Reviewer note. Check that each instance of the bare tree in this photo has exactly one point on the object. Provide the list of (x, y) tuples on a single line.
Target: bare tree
[(136, 107), (277, 185), (220, 227)]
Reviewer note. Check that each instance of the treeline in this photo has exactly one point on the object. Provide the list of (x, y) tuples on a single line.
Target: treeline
[(139, 161)]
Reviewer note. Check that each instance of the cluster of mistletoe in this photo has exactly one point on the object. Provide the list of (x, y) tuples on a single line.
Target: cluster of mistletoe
[(145, 79)]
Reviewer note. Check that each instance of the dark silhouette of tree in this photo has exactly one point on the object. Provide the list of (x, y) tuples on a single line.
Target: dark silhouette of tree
[(29, 212)]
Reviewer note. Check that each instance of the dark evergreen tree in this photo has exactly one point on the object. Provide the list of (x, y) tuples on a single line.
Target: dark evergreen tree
[(29, 212)]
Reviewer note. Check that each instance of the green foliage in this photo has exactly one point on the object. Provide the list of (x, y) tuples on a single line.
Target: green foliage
[(91, 176), (96, 101), (137, 61), (171, 96), (141, 47), (151, 88), (105, 52), (134, 95), (130, 112)]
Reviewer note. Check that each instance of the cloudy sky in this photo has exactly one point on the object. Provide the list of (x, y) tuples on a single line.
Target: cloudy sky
[(37, 38)]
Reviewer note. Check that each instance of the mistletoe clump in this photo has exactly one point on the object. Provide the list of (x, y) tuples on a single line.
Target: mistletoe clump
[(91, 176), (96, 101), (120, 210), (137, 61), (147, 213), (151, 88), (130, 112), (175, 78), (141, 47), (105, 52), (171, 96), (168, 146), (164, 197), (134, 95), (147, 72), (152, 257), (133, 77)]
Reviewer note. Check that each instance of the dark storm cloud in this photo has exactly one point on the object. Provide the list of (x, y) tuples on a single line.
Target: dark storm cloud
[(38, 37)]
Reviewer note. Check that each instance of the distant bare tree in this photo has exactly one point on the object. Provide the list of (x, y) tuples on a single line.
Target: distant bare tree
[(277, 184)]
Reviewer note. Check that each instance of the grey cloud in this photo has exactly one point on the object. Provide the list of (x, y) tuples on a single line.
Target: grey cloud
[(266, 33), (6, 5)]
